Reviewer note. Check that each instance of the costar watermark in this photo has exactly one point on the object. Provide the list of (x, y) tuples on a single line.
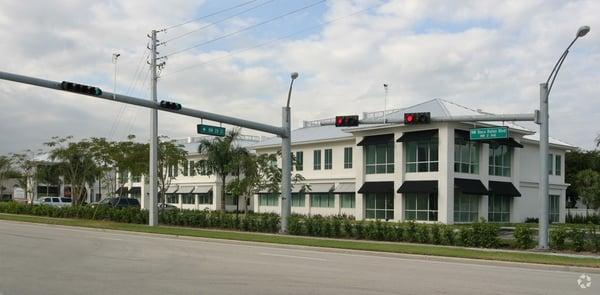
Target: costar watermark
[(584, 281)]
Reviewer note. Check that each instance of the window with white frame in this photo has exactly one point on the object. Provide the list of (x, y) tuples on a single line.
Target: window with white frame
[(205, 199), (550, 164), (270, 199), (500, 160), (422, 156), (554, 209), (499, 208), (328, 159), (322, 200), (421, 206), (347, 157), (188, 199), (347, 200), (299, 161), (380, 158), (172, 198), (558, 166), (379, 206), (317, 160), (298, 200), (466, 156), (466, 207)]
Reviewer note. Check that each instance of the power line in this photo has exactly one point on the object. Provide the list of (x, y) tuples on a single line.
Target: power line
[(246, 28), (209, 15), (216, 22), (274, 40)]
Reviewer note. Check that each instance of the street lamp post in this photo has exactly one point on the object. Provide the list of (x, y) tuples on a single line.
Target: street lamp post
[(545, 89), (286, 161)]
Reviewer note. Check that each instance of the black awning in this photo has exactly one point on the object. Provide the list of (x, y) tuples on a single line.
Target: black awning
[(377, 187), (511, 142), (418, 135), (419, 186), (135, 190), (503, 188), (463, 134), (470, 186), (121, 191), (377, 139)]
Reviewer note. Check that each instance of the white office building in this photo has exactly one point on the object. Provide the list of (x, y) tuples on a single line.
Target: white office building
[(428, 172)]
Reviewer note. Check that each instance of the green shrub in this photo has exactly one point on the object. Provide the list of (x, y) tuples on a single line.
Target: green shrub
[(436, 237), (422, 234), (348, 228), (583, 219), (410, 231), (359, 228), (486, 235), (594, 237), (577, 236), (399, 229), (524, 236), (467, 237), (558, 237), (448, 236)]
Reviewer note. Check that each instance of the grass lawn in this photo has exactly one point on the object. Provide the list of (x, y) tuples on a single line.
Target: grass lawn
[(320, 242)]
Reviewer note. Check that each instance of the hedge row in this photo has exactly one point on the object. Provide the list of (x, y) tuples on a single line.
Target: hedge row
[(583, 219), (206, 219), (479, 234), (575, 238)]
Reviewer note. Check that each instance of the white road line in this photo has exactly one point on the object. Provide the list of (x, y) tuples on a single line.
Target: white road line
[(292, 256)]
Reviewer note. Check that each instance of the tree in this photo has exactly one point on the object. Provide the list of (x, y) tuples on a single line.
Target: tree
[(588, 187), (576, 161), (5, 169), (219, 158), (76, 163), (26, 165), (170, 156)]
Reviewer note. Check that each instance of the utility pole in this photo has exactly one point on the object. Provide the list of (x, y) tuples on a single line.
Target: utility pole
[(152, 197), (544, 175)]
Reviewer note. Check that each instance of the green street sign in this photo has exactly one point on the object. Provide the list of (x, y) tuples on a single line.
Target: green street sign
[(210, 130), (489, 133)]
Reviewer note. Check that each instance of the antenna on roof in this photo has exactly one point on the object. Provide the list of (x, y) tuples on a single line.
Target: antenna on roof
[(385, 86)]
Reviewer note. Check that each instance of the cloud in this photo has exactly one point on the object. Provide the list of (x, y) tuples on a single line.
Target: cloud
[(483, 54)]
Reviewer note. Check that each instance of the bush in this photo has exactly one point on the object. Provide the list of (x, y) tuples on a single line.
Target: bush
[(436, 237), (422, 234), (583, 219), (410, 231), (594, 237), (558, 237), (577, 236), (486, 235), (524, 236), (448, 236)]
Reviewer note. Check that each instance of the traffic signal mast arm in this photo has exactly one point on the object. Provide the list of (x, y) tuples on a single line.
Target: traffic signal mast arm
[(470, 118), (167, 105)]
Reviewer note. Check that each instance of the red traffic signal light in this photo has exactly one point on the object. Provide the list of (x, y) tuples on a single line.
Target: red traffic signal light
[(346, 121), (417, 118), (80, 88)]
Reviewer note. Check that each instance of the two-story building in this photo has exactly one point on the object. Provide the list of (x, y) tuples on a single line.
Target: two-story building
[(428, 172)]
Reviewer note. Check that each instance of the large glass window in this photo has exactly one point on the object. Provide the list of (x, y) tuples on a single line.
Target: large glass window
[(421, 206), (499, 208), (466, 207), (466, 156), (271, 199), (500, 160), (205, 199), (554, 209), (185, 168), (231, 200), (189, 199), (379, 206), (172, 198), (347, 157), (380, 158), (422, 156), (550, 164), (322, 200), (192, 168), (317, 160), (558, 168), (298, 200), (348, 200), (328, 159), (299, 161)]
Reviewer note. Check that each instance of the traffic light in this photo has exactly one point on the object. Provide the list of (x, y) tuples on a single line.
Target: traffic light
[(417, 118), (80, 88), (346, 121), (170, 105)]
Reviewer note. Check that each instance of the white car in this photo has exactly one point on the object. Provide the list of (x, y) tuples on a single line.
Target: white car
[(54, 201)]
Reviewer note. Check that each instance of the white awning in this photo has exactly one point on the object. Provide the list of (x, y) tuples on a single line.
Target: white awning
[(203, 189), (296, 188), (345, 187), (185, 189), (171, 189), (321, 187)]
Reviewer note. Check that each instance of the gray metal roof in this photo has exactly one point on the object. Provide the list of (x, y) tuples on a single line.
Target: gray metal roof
[(308, 134)]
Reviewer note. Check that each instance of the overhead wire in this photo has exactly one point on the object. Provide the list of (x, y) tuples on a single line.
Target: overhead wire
[(209, 15), (246, 28), (217, 22), (231, 54)]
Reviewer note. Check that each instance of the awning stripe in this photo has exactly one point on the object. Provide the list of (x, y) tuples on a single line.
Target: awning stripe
[(470, 186), (420, 186), (202, 189), (171, 189), (503, 188), (321, 187), (418, 135), (377, 187), (345, 187), (185, 189), (377, 139)]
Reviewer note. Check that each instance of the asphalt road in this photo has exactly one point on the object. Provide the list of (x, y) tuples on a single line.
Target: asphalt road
[(44, 259)]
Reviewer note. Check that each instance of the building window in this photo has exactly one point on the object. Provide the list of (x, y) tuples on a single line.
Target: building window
[(379, 206), (185, 168), (298, 200), (205, 199), (554, 209), (380, 158), (422, 156), (192, 168), (348, 200), (499, 208), (466, 156), (558, 168), (271, 199), (421, 206), (328, 159), (188, 199), (172, 198), (466, 207), (550, 164), (347, 157), (299, 161), (322, 200), (500, 160), (317, 160), (231, 200)]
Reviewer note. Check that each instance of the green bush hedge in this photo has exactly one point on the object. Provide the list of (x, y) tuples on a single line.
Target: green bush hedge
[(583, 219), (524, 236)]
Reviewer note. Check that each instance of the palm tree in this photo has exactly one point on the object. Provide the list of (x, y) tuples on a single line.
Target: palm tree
[(220, 157)]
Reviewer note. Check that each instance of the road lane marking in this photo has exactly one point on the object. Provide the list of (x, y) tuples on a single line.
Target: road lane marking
[(293, 256)]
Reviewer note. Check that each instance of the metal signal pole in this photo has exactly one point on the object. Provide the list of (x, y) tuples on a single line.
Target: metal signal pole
[(152, 197)]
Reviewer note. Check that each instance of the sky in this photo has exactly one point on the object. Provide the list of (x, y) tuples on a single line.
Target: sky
[(235, 57)]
